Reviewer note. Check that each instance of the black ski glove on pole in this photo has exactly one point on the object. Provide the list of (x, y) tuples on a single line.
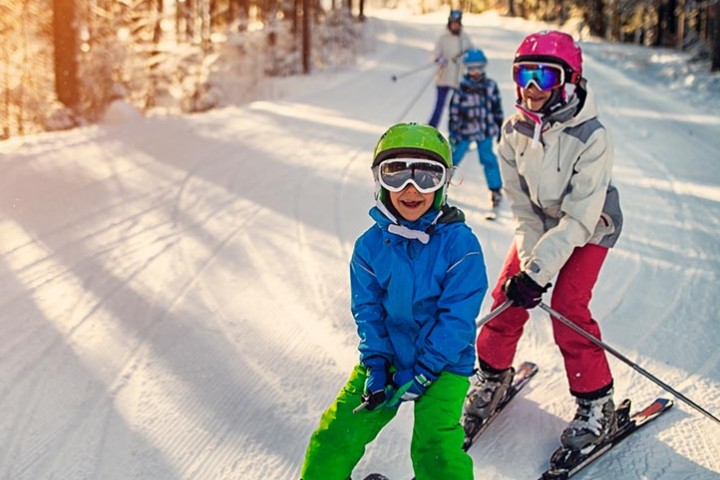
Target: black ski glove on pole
[(375, 393), (523, 291)]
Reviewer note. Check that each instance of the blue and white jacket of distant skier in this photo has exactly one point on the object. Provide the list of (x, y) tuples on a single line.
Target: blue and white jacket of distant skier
[(416, 300), (475, 110)]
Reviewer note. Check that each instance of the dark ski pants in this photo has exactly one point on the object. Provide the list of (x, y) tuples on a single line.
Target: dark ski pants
[(586, 364), (442, 93), (339, 442)]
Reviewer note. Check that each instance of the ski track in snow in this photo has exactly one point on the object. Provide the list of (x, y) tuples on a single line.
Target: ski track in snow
[(175, 298)]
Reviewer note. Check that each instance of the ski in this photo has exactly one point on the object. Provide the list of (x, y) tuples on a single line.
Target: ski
[(491, 214), (474, 426), (565, 463)]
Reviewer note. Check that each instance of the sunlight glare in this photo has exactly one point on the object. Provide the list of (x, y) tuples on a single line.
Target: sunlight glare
[(317, 115)]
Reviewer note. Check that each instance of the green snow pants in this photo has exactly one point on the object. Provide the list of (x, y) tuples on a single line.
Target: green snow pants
[(339, 442)]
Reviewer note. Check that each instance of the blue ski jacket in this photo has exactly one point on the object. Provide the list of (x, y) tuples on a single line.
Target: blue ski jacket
[(417, 289)]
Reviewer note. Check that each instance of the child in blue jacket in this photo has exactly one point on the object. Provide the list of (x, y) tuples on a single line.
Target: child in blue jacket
[(476, 115), (418, 279)]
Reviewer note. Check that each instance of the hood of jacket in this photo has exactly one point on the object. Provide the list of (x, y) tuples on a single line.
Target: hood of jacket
[(421, 228), (581, 108)]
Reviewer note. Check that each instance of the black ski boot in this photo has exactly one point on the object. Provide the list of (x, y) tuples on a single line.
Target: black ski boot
[(484, 396), (594, 421)]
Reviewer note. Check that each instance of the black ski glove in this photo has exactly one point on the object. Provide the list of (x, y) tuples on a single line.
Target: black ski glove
[(523, 291), (377, 389)]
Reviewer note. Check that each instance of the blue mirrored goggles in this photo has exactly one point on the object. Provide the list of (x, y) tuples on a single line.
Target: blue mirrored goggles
[(426, 176), (545, 76)]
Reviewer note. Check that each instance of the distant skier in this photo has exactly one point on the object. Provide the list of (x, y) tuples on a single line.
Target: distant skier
[(417, 279), (476, 115), (449, 49), (556, 159)]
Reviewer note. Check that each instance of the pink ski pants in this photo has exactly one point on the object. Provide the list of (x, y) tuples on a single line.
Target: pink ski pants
[(586, 365)]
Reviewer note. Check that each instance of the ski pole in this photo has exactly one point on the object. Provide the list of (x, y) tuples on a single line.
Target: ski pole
[(479, 324), (415, 99), (501, 308), (422, 67), (627, 361)]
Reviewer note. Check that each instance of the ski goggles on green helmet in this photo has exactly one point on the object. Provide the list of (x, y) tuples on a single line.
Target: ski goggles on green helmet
[(426, 176), (545, 76)]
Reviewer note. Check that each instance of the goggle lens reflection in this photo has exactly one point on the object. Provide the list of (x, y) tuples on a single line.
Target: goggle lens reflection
[(544, 76)]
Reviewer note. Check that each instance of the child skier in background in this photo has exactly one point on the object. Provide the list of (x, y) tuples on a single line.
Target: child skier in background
[(417, 280), (556, 160), (476, 115), (449, 48)]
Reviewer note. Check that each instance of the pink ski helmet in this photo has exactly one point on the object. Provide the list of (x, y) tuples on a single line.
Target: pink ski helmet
[(552, 46)]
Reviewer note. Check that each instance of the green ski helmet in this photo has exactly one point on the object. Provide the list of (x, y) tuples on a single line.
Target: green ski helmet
[(416, 140)]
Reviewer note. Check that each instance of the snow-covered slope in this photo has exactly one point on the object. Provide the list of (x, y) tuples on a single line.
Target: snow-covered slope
[(174, 295)]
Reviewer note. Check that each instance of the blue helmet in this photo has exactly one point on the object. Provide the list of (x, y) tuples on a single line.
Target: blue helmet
[(455, 16), (475, 56)]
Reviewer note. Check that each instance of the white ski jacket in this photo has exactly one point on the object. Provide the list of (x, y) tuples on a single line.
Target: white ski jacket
[(559, 189), (452, 48)]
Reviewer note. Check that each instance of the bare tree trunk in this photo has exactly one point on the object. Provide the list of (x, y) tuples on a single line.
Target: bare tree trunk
[(715, 58), (306, 46), (151, 100), (666, 26), (295, 16), (6, 100), (205, 24), (157, 29), (232, 12), (65, 56), (680, 43), (613, 21), (216, 20), (244, 14), (189, 14), (595, 17), (7, 17)]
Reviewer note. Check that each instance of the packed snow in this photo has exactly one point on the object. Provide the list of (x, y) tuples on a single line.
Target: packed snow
[(175, 290)]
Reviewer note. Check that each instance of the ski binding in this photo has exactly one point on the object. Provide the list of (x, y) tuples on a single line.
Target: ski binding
[(565, 463)]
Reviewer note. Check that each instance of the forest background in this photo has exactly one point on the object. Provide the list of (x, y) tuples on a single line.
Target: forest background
[(64, 62)]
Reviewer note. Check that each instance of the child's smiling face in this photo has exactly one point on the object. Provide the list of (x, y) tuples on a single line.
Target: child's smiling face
[(410, 203)]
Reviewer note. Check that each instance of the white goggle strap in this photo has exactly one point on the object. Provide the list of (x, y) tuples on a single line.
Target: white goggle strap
[(381, 206)]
